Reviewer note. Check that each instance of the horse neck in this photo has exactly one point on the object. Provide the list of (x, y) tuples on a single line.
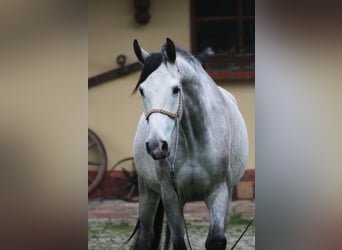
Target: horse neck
[(198, 93)]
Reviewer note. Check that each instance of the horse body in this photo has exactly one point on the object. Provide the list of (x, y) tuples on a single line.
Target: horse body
[(211, 154)]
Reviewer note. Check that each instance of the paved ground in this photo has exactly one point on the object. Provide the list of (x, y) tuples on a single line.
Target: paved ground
[(111, 221), (117, 209)]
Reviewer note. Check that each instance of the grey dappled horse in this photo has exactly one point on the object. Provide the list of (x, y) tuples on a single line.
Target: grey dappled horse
[(191, 134)]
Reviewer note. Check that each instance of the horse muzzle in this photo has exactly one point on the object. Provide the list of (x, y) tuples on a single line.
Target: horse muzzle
[(157, 149)]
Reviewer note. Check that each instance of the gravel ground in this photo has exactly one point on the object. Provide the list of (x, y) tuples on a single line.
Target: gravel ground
[(110, 234)]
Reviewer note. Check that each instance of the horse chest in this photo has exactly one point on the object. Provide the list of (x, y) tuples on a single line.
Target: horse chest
[(194, 182)]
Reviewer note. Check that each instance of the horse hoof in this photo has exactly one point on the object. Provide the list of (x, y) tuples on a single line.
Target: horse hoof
[(216, 243)]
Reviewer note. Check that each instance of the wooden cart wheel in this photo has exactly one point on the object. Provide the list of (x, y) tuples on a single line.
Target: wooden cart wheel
[(97, 161), (130, 179)]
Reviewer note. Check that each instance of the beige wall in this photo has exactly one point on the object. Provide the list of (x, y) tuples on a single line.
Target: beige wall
[(112, 29), (113, 111)]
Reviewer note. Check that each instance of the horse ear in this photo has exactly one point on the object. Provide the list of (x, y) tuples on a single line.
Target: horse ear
[(170, 50), (141, 54)]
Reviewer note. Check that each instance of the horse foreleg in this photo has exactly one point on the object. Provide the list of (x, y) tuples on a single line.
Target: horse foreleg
[(175, 220), (217, 203), (148, 204)]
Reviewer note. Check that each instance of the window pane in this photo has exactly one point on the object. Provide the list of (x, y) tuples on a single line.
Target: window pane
[(249, 36), (215, 8), (220, 36), (248, 7)]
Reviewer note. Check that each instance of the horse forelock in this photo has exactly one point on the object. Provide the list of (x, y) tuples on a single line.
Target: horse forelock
[(150, 65)]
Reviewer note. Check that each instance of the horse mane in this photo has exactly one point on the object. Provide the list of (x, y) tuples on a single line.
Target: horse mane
[(188, 57)]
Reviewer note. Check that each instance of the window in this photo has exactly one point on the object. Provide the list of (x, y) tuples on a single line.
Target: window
[(227, 28)]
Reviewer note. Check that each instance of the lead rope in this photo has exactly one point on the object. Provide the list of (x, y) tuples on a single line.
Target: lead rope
[(243, 233), (172, 171)]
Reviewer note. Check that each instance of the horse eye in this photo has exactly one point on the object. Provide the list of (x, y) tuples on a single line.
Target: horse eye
[(141, 92), (175, 90)]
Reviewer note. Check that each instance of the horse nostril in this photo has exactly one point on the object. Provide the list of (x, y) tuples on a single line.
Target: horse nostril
[(164, 147), (157, 149)]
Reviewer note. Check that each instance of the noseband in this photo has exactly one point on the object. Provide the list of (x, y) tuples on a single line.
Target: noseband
[(174, 116)]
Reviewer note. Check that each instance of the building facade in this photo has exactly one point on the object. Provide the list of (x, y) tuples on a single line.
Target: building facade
[(113, 110)]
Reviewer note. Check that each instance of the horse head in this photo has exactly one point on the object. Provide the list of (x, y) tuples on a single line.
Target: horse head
[(160, 88)]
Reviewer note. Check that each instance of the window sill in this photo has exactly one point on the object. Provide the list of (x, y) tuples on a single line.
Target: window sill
[(230, 66), (220, 75)]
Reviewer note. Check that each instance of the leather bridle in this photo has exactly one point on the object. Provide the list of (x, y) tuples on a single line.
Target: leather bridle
[(174, 116)]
